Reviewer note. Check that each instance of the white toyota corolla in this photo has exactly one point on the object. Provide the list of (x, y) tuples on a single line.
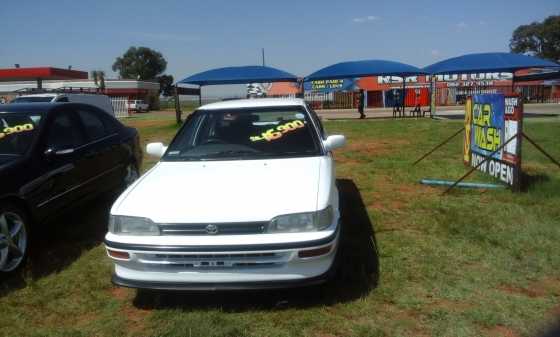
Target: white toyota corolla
[(243, 197)]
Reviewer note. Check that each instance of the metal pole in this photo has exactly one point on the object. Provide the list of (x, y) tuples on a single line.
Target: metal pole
[(438, 146), (177, 106), (540, 149), (403, 95), (263, 57), (200, 95)]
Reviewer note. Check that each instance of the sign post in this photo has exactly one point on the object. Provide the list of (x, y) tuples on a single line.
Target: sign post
[(490, 121)]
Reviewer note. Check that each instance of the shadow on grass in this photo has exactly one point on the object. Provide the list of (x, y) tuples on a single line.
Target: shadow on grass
[(357, 275), (58, 243), (528, 180)]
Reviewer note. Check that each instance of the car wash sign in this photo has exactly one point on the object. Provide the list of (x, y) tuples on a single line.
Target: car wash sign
[(491, 144)]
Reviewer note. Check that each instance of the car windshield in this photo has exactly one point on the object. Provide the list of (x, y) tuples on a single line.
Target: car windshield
[(17, 132), (245, 134), (32, 99)]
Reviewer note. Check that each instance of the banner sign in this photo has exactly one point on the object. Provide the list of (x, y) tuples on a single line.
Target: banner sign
[(490, 121), (330, 85)]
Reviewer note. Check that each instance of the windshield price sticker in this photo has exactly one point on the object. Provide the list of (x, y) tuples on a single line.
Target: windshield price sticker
[(16, 129), (278, 132)]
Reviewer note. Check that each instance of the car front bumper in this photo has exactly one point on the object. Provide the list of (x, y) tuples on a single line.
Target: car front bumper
[(225, 268)]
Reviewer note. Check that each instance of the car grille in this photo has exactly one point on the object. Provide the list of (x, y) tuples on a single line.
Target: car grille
[(183, 262), (235, 228)]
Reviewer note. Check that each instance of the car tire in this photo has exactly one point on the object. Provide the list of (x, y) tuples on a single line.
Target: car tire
[(14, 238)]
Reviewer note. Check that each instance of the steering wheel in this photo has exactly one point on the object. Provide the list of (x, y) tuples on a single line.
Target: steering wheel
[(213, 141)]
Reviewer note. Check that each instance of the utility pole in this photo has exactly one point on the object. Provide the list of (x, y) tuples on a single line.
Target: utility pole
[(262, 50)]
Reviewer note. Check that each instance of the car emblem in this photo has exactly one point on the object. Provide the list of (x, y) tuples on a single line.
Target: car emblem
[(212, 229)]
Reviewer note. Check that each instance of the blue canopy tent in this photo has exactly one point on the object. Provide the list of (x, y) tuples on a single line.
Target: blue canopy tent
[(488, 62), (239, 75), (234, 75), (367, 68)]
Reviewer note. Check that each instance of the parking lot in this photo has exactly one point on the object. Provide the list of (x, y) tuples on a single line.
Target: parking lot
[(414, 262)]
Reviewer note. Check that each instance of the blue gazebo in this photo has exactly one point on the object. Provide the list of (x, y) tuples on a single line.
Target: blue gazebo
[(367, 68), (239, 75), (488, 62), (234, 75)]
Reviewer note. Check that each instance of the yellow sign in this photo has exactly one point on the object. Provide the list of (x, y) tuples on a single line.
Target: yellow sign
[(278, 132), (16, 129)]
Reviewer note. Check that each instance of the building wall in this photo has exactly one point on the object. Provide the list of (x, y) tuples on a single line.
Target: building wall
[(133, 89)]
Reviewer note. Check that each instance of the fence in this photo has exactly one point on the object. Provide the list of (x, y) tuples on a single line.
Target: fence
[(444, 96), (120, 106)]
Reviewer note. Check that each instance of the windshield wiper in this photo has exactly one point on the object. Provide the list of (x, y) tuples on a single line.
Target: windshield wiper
[(227, 153)]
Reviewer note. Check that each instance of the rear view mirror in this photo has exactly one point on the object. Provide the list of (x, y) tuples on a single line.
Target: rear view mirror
[(334, 142), (156, 149)]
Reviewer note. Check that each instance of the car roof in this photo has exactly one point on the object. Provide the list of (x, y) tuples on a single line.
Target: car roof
[(254, 103), (34, 108), (38, 95)]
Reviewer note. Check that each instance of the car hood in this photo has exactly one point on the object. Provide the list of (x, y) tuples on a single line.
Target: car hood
[(223, 191)]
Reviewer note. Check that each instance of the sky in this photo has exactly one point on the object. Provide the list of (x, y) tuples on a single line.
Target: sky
[(298, 36)]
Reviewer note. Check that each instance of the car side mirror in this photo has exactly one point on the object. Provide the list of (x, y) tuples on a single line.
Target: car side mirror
[(334, 142), (156, 149)]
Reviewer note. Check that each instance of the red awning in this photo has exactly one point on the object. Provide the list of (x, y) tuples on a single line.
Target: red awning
[(44, 73)]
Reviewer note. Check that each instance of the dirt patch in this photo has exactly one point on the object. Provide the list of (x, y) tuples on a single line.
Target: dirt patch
[(448, 305), (502, 331), (521, 291), (389, 195), (120, 293), (135, 319), (373, 147), (539, 288)]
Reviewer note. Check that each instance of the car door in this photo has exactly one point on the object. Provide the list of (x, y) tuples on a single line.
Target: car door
[(103, 154), (58, 184)]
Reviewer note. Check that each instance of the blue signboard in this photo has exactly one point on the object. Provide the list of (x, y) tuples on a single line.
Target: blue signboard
[(487, 124), (346, 84)]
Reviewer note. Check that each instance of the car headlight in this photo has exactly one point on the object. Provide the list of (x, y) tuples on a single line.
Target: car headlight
[(131, 225), (302, 222)]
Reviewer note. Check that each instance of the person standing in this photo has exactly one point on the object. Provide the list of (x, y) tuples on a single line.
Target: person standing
[(361, 104)]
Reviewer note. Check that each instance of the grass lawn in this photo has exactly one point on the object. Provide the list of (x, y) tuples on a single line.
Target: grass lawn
[(471, 263)]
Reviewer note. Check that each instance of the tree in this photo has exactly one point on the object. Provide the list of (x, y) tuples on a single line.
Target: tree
[(166, 85), (540, 39), (140, 63), (98, 77)]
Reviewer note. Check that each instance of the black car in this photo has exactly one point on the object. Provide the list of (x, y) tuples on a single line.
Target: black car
[(53, 155)]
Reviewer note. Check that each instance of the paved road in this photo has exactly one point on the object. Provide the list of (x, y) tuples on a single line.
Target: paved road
[(451, 112)]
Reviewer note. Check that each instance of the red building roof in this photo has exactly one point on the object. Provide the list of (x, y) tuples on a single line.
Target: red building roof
[(44, 73)]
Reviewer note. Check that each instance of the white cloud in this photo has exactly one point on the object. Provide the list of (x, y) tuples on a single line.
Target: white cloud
[(435, 52), (369, 18)]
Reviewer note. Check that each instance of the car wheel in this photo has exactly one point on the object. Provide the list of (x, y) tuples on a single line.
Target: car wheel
[(131, 174), (13, 238)]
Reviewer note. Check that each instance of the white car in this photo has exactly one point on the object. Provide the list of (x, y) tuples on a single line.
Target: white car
[(103, 102), (138, 105), (243, 197)]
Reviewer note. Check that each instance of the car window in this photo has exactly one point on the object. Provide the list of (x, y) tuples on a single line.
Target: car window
[(93, 125), (62, 99), (317, 121), (32, 99), (246, 134), (17, 132), (64, 133)]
